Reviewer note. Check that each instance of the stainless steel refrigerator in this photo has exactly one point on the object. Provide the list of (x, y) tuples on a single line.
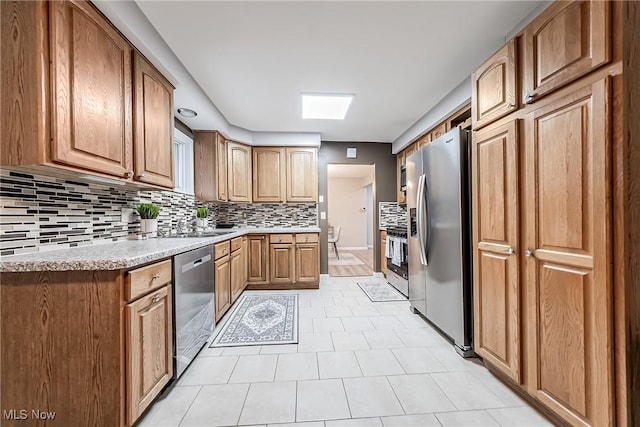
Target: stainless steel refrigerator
[(439, 234)]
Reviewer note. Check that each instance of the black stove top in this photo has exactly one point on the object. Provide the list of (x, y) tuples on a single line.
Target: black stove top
[(397, 231)]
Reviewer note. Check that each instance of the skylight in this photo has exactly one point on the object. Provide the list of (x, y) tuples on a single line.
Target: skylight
[(325, 106)]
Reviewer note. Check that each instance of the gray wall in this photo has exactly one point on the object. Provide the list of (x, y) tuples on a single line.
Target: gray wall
[(384, 186)]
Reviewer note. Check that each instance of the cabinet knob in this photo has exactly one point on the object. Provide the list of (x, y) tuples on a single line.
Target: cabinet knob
[(140, 175), (128, 174), (156, 298), (512, 105), (511, 251), (528, 97), (156, 277), (528, 253)]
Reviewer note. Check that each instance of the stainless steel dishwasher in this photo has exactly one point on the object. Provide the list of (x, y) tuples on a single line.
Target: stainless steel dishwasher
[(193, 303)]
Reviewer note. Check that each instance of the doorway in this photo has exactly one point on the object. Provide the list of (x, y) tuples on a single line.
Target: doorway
[(350, 190)]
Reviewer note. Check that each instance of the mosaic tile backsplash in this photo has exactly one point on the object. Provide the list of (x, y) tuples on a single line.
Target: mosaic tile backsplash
[(42, 213), (390, 214)]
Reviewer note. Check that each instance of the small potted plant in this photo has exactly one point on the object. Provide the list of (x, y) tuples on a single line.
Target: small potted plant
[(148, 217), (201, 217)]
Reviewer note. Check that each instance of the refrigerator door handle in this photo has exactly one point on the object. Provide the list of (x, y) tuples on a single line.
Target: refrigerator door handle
[(427, 218), (422, 226)]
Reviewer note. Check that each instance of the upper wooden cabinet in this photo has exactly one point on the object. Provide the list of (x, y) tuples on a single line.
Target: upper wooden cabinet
[(269, 174), (565, 42), (72, 104), (302, 174), (438, 131), (91, 96), (494, 86), (496, 225), (569, 263), (153, 124), (210, 166), (239, 172)]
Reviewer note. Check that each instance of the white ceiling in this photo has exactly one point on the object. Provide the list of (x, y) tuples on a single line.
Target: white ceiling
[(253, 59), (349, 171)]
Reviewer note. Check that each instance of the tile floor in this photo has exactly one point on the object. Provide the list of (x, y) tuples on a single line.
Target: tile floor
[(357, 364)]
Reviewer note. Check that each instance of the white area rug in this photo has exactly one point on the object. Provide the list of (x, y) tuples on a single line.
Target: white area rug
[(345, 259), (261, 320), (380, 292)]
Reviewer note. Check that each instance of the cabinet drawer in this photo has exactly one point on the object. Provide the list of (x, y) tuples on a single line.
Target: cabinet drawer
[(145, 279), (307, 238), (221, 249), (281, 238), (236, 244)]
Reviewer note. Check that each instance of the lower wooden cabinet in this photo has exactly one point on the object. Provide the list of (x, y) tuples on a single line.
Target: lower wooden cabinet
[(258, 258), (222, 282), (307, 263), (149, 344), (237, 266), (496, 282), (281, 263), (383, 251)]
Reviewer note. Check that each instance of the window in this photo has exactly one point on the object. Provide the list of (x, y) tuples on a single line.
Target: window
[(183, 152)]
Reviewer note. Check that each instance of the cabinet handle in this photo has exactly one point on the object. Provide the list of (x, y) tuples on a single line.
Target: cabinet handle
[(528, 97), (128, 174), (156, 298), (529, 253), (262, 237), (155, 277), (512, 105)]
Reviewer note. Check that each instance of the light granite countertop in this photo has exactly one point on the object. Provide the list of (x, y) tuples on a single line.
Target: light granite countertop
[(123, 254)]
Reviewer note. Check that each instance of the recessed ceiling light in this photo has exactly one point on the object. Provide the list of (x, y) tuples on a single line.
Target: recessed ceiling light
[(325, 106), (186, 112)]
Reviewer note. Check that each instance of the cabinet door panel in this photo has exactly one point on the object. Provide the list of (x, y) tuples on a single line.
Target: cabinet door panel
[(258, 259), (237, 274), (281, 263), (239, 172), (307, 263), (496, 224), (569, 286), (149, 349), (494, 86), (563, 43), (302, 175), (222, 286), (91, 87), (269, 175), (221, 168), (153, 122)]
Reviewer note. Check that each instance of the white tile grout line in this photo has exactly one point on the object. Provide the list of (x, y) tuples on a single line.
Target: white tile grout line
[(244, 402), (190, 405)]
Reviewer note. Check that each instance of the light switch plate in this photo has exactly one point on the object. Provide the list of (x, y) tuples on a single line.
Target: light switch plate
[(323, 215), (126, 215), (320, 198)]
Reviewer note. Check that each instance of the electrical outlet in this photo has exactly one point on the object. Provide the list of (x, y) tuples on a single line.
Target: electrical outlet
[(126, 215)]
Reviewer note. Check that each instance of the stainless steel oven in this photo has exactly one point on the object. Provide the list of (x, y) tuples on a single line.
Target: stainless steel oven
[(398, 261)]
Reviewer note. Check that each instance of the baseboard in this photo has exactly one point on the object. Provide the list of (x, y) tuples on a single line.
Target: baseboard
[(352, 248), (378, 274)]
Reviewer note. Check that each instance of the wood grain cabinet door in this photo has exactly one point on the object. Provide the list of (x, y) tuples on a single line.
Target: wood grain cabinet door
[(239, 172), (237, 274), (149, 349), (439, 130), (91, 126), (258, 258), (494, 86), (568, 267), (269, 174), (222, 186), (307, 263), (222, 286), (281, 263), (153, 125), (563, 43), (302, 174), (496, 289)]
